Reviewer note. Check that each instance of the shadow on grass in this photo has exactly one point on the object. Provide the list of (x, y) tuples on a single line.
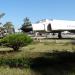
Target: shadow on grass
[(9, 51), (56, 63)]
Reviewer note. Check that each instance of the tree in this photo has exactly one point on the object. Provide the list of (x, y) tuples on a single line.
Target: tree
[(2, 14), (9, 27), (1, 28), (16, 41), (26, 26)]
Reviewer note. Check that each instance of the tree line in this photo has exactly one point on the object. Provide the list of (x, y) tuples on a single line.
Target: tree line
[(8, 27)]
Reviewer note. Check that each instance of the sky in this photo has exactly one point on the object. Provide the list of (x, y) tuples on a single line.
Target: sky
[(16, 10)]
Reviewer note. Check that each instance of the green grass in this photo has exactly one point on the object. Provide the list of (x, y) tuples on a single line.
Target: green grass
[(49, 47), (14, 71), (34, 51), (18, 71)]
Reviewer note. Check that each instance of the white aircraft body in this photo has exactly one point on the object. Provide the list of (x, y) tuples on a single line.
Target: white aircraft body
[(55, 26)]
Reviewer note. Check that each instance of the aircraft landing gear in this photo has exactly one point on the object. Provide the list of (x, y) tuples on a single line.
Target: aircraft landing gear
[(59, 35)]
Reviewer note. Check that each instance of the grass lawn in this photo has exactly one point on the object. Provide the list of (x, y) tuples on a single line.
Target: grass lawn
[(40, 52), (42, 47), (36, 49), (14, 71)]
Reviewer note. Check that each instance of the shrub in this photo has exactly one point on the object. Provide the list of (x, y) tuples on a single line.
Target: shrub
[(0, 42), (16, 41)]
